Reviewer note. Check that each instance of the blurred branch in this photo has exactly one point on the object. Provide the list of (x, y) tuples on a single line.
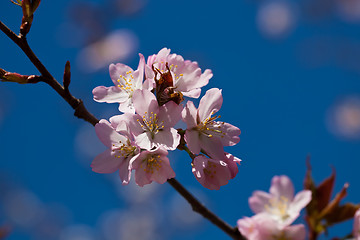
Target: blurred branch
[(83, 113), (233, 232)]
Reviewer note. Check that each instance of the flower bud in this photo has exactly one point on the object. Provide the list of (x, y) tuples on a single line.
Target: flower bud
[(67, 75), (14, 77), (28, 8)]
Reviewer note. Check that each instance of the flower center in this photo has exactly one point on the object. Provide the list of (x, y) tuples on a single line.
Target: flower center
[(124, 150), (125, 82), (152, 163), (210, 127), (278, 207), (150, 123), (210, 170)]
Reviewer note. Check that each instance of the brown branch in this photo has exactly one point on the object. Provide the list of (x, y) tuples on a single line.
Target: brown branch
[(198, 207), (75, 103), (83, 113)]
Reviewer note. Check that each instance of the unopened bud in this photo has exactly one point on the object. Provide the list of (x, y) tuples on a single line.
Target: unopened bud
[(14, 77), (27, 9)]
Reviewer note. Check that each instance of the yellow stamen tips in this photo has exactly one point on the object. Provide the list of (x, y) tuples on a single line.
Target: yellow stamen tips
[(210, 170), (118, 80), (176, 66), (278, 206), (210, 135), (152, 163), (181, 74)]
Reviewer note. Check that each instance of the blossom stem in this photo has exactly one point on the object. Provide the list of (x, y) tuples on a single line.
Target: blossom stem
[(198, 207), (46, 77)]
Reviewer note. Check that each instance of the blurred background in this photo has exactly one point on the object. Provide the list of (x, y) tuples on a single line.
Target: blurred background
[(290, 74)]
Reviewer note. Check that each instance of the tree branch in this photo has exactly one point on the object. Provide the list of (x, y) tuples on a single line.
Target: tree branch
[(75, 103), (233, 232)]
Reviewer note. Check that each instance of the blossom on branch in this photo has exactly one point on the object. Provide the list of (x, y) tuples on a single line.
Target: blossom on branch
[(152, 165), (154, 124), (280, 204), (121, 151), (204, 132), (152, 109), (214, 173), (126, 81)]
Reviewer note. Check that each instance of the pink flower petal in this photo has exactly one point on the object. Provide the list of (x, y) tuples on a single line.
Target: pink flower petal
[(193, 93), (295, 232), (212, 146), (301, 200), (231, 137), (106, 162), (170, 113), (216, 174), (127, 106), (189, 114), (192, 140), (169, 139), (210, 103), (143, 141), (109, 94), (282, 186), (118, 69), (145, 101), (107, 135), (258, 201), (164, 173)]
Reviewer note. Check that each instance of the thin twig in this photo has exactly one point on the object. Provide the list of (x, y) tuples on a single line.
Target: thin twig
[(233, 232), (82, 112), (75, 103)]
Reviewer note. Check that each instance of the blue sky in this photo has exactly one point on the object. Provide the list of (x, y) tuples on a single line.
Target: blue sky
[(286, 89)]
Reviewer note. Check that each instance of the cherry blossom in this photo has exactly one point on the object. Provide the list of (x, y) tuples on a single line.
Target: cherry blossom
[(126, 81), (204, 132), (154, 124), (121, 151), (152, 165), (186, 75), (214, 173), (259, 227), (280, 204)]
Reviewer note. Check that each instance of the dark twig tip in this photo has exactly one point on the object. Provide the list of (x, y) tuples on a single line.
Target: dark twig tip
[(67, 76)]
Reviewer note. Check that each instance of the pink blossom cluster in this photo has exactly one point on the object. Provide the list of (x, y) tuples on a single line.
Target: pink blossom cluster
[(151, 100), (275, 212)]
